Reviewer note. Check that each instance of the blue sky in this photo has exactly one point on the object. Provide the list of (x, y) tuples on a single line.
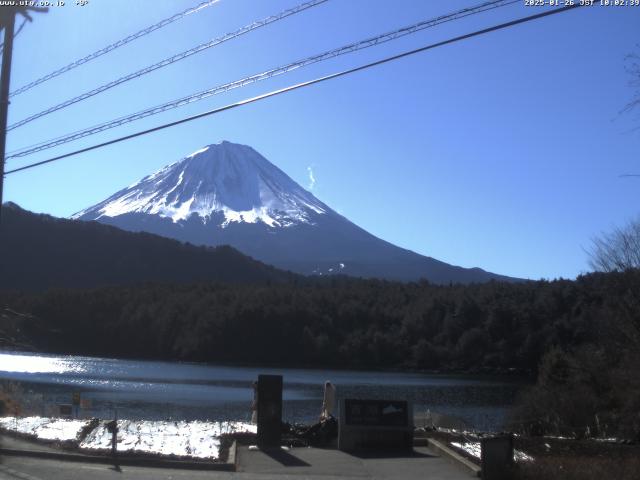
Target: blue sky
[(503, 151)]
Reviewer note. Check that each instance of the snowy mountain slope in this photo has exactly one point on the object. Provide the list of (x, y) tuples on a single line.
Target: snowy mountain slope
[(233, 180), (230, 194)]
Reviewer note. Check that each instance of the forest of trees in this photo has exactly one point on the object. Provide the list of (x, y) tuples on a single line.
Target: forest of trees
[(332, 322), (580, 339), (584, 334)]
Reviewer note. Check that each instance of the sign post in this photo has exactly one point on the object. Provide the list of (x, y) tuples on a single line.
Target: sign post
[(75, 400)]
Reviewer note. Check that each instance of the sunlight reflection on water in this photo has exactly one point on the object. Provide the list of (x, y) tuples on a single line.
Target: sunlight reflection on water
[(156, 390), (39, 364)]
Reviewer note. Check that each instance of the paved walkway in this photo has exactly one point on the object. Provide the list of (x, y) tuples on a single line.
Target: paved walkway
[(25, 468), (309, 463), (321, 463), (15, 443)]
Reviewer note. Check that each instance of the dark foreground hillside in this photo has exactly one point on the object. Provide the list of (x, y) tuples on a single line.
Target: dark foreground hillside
[(40, 251)]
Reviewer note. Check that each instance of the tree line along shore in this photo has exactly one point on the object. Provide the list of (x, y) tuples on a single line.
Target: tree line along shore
[(578, 338)]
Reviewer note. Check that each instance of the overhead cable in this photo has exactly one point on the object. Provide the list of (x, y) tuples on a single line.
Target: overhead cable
[(168, 61), (300, 85), (352, 47), (113, 46)]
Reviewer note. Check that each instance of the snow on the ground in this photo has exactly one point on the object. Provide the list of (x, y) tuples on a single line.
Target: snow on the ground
[(196, 439), (193, 439), (44, 428), (474, 449)]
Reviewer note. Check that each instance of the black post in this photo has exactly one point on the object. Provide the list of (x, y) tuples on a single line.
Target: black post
[(496, 457), (269, 411), (5, 78), (112, 427)]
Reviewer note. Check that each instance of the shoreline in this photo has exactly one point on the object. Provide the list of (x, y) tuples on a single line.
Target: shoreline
[(524, 376)]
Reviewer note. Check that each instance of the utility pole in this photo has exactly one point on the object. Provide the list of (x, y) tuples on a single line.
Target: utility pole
[(7, 22)]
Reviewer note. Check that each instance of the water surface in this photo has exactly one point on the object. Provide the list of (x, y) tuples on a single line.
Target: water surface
[(152, 390)]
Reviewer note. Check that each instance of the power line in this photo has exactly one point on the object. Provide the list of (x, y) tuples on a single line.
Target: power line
[(113, 46), (27, 18), (352, 47), (24, 20), (15, 34), (301, 85), (168, 61)]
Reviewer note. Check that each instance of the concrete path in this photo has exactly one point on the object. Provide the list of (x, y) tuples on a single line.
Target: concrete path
[(9, 441), (308, 463), (26, 468), (321, 463)]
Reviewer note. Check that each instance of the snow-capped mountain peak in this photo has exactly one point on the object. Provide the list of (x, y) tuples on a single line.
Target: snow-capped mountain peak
[(229, 194), (225, 178)]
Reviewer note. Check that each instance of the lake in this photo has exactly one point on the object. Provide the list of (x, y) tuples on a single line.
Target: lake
[(152, 390)]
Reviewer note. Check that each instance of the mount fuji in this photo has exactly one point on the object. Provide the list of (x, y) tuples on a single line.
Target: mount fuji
[(227, 193)]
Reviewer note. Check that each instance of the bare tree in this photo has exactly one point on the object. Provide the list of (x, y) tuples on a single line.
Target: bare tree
[(632, 66), (618, 250)]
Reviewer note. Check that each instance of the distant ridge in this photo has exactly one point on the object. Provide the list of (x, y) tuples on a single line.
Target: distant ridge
[(40, 252)]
